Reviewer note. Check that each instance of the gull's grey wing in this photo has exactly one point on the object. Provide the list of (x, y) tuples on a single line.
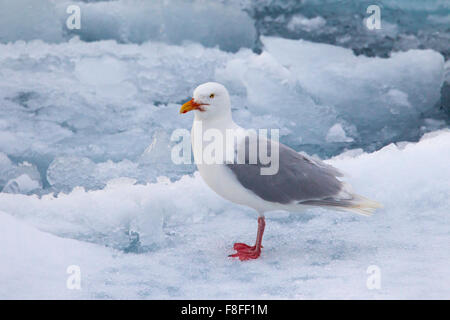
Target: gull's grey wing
[(299, 178)]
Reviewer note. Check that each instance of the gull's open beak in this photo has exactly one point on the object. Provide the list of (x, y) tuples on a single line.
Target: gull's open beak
[(191, 105)]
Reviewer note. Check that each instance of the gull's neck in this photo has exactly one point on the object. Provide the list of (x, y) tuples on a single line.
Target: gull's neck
[(221, 122)]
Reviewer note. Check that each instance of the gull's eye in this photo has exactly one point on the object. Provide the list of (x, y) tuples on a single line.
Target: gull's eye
[(211, 95)]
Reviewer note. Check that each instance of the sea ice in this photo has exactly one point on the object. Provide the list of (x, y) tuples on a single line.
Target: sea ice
[(182, 233), (82, 129), (129, 21)]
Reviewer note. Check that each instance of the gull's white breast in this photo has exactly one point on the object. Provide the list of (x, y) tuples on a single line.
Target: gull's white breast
[(221, 179)]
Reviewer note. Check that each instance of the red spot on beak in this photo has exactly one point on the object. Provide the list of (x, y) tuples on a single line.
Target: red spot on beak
[(191, 105)]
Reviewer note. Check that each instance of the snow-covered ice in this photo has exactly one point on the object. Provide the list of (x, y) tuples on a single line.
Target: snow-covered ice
[(184, 243)]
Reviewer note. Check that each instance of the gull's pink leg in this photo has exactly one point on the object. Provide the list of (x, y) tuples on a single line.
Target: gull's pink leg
[(246, 252)]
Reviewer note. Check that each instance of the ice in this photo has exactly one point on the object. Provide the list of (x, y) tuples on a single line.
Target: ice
[(84, 113), (28, 20), (55, 104), (21, 184), (186, 232), (232, 24), (305, 81), (18, 178), (66, 172), (6, 166), (301, 22), (404, 24), (337, 134), (116, 214), (129, 21), (341, 78)]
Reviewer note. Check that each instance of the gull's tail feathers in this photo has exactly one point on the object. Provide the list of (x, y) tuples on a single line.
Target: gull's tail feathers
[(357, 204)]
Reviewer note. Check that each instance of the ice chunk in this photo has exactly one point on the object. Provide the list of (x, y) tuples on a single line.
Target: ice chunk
[(404, 24), (371, 93), (21, 184), (172, 21), (336, 76), (306, 81), (337, 134), (301, 22), (263, 85), (18, 178), (66, 172)]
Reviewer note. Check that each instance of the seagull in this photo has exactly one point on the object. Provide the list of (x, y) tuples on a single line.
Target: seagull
[(300, 182)]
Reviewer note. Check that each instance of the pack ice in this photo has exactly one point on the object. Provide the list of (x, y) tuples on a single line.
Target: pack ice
[(186, 231), (82, 113)]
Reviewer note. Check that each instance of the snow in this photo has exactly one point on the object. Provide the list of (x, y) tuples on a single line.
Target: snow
[(184, 243), (34, 264)]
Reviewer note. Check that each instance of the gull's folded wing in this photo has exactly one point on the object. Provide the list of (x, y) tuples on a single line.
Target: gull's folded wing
[(298, 179)]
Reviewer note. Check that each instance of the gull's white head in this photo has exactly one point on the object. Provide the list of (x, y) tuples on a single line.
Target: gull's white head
[(210, 101)]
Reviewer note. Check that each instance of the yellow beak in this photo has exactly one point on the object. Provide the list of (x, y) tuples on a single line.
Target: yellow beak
[(190, 105)]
